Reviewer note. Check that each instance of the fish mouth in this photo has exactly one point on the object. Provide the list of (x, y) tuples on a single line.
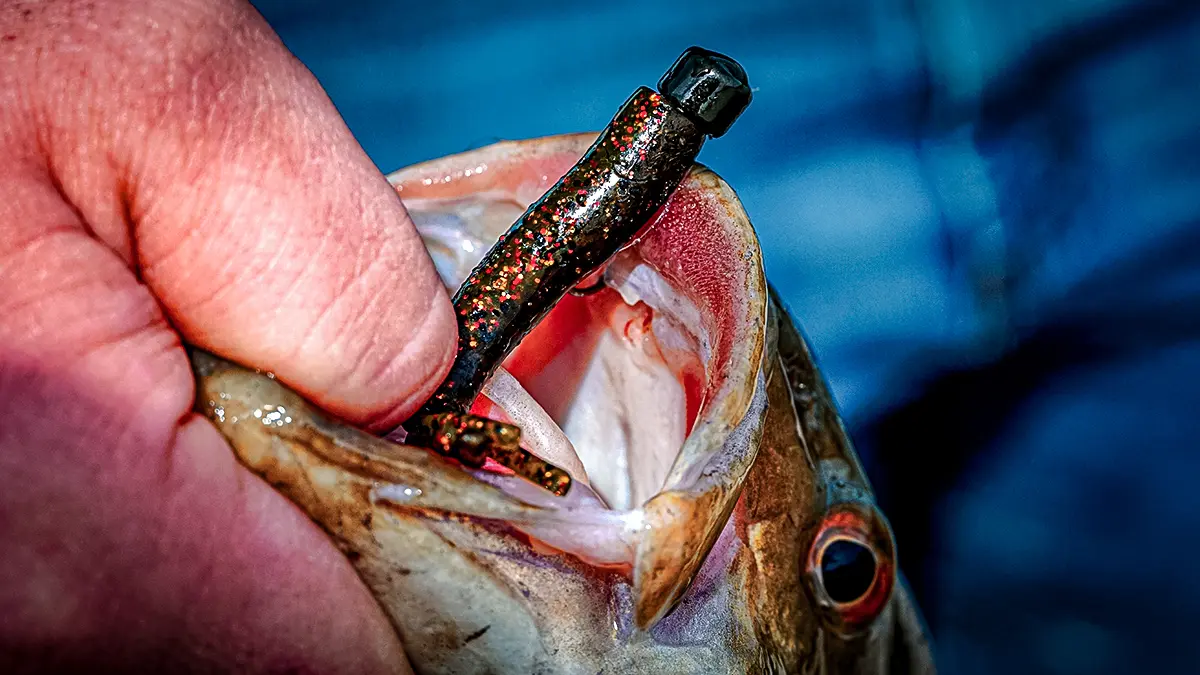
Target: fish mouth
[(648, 387)]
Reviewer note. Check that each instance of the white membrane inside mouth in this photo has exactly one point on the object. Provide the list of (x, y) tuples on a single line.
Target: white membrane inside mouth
[(626, 421), (539, 433), (629, 416)]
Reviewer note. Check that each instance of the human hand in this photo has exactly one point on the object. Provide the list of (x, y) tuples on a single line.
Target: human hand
[(169, 171)]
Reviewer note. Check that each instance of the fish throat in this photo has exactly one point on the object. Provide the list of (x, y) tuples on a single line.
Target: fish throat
[(608, 385)]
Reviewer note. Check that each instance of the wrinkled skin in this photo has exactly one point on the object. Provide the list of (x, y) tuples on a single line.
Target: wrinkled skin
[(170, 173), (708, 560)]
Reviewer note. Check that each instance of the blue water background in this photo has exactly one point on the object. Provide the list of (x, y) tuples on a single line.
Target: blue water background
[(985, 216)]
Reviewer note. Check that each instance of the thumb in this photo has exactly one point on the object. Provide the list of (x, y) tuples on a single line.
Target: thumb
[(237, 192)]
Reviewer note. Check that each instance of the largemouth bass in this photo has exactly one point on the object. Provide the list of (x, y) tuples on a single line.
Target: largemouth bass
[(719, 520)]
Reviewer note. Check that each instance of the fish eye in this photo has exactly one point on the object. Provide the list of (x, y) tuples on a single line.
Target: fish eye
[(847, 570), (850, 567)]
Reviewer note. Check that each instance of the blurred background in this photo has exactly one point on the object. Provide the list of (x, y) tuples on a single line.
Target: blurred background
[(984, 213)]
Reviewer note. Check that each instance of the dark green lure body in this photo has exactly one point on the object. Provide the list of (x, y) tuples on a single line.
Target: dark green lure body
[(596, 209), (592, 212)]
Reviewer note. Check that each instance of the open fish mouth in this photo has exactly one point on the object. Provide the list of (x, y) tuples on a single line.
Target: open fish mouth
[(647, 386), (719, 520)]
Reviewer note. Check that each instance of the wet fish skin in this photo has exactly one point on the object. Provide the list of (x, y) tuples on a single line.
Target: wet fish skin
[(331, 470), (449, 558)]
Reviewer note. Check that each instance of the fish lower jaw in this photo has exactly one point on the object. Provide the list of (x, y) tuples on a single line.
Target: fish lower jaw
[(579, 525)]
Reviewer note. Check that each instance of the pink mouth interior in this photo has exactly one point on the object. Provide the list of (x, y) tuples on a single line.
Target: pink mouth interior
[(553, 359), (698, 263)]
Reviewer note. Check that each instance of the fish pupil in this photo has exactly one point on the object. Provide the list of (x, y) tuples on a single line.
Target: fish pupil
[(847, 570)]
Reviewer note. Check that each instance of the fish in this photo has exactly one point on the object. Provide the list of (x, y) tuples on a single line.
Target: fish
[(719, 520)]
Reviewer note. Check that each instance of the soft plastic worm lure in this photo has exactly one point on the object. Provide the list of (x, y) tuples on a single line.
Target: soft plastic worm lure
[(597, 208)]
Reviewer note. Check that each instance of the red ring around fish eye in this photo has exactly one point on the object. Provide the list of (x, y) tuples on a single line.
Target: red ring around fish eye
[(850, 567)]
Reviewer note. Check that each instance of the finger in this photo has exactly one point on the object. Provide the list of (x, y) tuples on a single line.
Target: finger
[(145, 513), (247, 207), (132, 539)]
